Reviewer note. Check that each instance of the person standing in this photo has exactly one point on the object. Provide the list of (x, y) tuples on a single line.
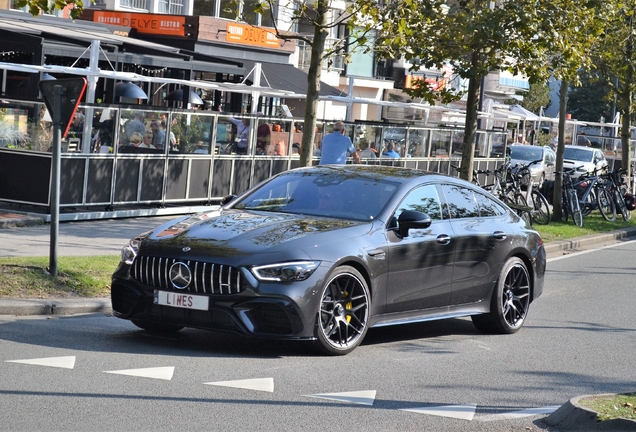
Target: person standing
[(336, 145), (158, 134), (135, 125), (263, 136), (242, 134)]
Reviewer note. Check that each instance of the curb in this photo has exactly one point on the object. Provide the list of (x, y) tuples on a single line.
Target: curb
[(14, 220), (54, 306), (572, 416), (590, 240)]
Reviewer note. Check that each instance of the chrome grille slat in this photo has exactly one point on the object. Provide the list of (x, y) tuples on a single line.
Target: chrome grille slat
[(207, 278)]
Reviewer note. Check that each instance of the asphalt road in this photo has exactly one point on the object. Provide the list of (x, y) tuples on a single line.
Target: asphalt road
[(579, 339)]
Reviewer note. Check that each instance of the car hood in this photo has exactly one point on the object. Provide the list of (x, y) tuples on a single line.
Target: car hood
[(236, 232)]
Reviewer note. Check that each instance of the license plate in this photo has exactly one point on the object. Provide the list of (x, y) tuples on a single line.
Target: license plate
[(178, 300)]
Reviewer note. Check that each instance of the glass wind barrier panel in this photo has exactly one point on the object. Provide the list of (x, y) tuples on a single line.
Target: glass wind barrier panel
[(297, 138), (418, 143), (25, 126), (191, 133), (142, 131), (366, 137), (393, 144), (440, 143), (283, 135), (104, 130)]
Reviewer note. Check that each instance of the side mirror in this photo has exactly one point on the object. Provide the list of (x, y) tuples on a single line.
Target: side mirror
[(411, 219), (228, 199)]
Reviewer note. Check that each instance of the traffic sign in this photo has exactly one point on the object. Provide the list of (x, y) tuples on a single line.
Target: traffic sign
[(72, 92)]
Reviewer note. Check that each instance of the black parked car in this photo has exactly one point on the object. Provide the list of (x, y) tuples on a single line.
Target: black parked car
[(324, 253)]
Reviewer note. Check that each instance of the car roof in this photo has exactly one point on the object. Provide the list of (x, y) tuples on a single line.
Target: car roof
[(373, 172)]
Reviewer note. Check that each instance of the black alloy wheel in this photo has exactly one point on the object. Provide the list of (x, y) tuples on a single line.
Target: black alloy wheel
[(510, 300), (342, 320)]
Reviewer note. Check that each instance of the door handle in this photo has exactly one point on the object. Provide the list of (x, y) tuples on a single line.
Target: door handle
[(499, 235), (443, 239)]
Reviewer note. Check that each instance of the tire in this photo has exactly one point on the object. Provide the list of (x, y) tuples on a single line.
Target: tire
[(343, 317), (541, 212), (577, 215), (606, 204), (589, 204), (510, 300), (520, 200), (156, 327), (619, 201)]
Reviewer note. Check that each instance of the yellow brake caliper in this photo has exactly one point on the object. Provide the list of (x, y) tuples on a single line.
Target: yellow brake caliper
[(348, 306)]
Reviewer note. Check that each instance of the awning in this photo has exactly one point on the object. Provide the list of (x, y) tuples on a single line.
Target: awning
[(63, 37), (524, 113), (288, 78)]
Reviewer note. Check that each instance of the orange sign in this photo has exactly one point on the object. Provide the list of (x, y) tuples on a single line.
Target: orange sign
[(144, 23), (435, 84), (249, 35)]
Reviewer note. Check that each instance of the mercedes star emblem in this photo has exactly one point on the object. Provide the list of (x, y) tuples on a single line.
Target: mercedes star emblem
[(180, 275)]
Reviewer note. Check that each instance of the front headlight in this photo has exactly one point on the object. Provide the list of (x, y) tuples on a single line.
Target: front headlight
[(285, 272), (129, 252)]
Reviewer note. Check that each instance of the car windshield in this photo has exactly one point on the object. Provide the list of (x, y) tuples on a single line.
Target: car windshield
[(526, 154), (577, 154), (321, 194)]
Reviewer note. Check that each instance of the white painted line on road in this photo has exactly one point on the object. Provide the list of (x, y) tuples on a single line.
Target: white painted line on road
[(574, 254), (365, 397), (259, 384), (60, 362), (164, 373), (519, 414), (463, 412)]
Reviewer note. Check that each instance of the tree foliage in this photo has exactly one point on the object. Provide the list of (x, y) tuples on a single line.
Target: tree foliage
[(321, 18), (592, 100), (37, 7)]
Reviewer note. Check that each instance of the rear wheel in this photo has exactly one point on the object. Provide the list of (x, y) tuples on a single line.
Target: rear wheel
[(343, 317), (156, 327), (510, 300), (577, 215), (606, 204), (541, 208)]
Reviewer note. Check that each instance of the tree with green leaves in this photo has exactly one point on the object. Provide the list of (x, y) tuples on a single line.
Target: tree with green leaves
[(475, 37), (321, 17), (614, 58), (592, 100), (37, 7)]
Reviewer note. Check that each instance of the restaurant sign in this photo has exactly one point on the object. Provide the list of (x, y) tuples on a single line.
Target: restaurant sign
[(169, 25), (250, 35)]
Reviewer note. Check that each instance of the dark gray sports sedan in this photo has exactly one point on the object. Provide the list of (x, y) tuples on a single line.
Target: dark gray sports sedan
[(324, 253)]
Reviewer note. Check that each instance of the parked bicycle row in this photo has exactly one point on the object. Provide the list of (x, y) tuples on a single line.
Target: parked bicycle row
[(607, 191)]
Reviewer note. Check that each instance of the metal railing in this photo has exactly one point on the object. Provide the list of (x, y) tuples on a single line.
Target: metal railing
[(333, 62)]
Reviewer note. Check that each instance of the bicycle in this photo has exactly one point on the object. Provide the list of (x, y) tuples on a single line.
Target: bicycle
[(540, 208), (593, 194), (617, 189), (570, 206)]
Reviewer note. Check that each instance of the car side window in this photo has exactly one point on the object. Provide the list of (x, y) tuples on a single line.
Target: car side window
[(423, 199), (488, 206), (460, 201)]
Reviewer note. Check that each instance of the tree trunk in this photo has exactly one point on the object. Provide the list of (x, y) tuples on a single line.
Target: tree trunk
[(626, 108), (313, 82), (558, 175), (470, 128)]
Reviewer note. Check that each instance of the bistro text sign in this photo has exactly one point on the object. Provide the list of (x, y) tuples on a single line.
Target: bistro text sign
[(144, 23)]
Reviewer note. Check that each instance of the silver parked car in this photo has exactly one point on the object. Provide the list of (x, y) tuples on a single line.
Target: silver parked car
[(541, 171), (584, 159)]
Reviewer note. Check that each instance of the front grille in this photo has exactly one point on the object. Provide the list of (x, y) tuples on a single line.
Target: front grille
[(207, 278)]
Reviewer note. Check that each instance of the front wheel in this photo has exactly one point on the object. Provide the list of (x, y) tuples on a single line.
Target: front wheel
[(343, 317), (510, 300), (577, 215)]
